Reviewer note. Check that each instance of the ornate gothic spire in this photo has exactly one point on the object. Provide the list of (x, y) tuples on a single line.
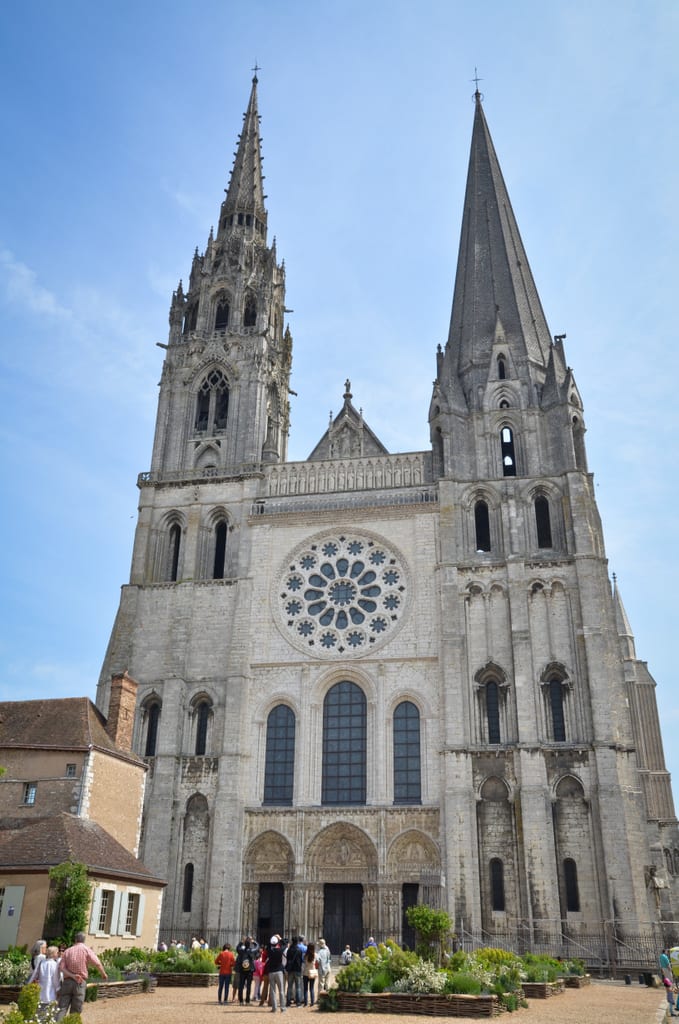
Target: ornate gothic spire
[(244, 203)]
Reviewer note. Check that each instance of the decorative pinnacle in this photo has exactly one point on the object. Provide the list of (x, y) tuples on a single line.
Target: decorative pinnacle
[(347, 390)]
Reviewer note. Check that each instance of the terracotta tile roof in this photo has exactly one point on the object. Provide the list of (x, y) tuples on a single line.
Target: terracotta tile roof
[(40, 843), (65, 723)]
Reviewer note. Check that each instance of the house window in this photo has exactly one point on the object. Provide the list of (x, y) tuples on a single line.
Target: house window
[(507, 451), (497, 884), (482, 526), (70, 771), (187, 894), (280, 757), (30, 792), (105, 911), (344, 745), (542, 522), (407, 782), (570, 875), (132, 913)]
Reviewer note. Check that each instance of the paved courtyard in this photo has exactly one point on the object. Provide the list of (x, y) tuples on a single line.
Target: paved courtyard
[(600, 1003)]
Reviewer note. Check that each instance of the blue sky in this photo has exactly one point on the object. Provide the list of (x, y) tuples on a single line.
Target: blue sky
[(119, 121)]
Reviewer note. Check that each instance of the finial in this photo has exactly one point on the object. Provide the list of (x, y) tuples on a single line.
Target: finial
[(478, 96), (347, 390), (255, 69)]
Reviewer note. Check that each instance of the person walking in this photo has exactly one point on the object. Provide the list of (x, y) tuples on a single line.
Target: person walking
[(74, 965)]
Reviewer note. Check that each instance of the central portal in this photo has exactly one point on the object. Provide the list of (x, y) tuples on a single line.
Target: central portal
[(343, 917)]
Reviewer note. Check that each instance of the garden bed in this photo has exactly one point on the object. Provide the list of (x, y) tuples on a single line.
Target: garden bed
[(577, 981), (543, 989), (185, 979), (412, 1003), (105, 989)]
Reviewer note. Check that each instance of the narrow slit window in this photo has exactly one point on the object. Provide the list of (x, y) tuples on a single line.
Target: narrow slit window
[(174, 543), (570, 874), (187, 895), (542, 522), (556, 709), (493, 711), (250, 312), (497, 884), (508, 452), (501, 368), (220, 551), (482, 526), (222, 315), (152, 720), (202, 719)]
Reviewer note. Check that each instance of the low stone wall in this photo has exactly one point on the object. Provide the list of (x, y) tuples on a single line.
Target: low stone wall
[(409, 1003), (185, 980), (542, 989)]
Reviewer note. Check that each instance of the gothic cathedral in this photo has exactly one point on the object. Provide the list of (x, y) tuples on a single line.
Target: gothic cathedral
[(368, 680)]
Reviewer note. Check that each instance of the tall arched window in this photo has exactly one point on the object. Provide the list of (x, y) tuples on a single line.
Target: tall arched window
[(570, 877), (497, 884), (280, 757), (542, 522), (191, 318), (202, 712), (187, 893), (250, 311), (222, 314), (344, 745), (556, 709), (501, 368), (482, 526), (152, 720), (220, 550), (407, 770), (174, 543), (508, 453), (212, 404), (493, 711)]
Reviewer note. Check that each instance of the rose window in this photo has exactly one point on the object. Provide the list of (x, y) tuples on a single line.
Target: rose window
[(344, 594)]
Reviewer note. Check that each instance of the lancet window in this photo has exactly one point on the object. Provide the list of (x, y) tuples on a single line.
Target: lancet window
[(212, 404)]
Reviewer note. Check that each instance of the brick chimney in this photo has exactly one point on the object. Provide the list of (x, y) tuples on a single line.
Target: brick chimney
[(121, 705)]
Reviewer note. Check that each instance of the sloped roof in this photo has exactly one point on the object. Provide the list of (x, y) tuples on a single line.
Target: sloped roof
[(366, 442), (64, 723), (40, 843)]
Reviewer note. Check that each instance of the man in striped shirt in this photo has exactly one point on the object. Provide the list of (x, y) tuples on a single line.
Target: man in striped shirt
[(74, 965)]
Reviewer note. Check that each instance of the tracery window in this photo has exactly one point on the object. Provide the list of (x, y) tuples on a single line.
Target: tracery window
[(250, 311), (344, 745), (212, 404), (407, 768), (222, 314), (280, 757)]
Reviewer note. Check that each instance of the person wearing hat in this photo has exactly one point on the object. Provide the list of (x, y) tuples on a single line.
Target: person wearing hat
[(276, 976)]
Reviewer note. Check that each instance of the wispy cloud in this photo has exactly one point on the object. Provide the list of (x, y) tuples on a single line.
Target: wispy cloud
[(23, 289)]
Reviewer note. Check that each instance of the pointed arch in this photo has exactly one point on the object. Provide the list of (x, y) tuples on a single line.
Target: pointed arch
[(201, 719), (507, 451), (543, 524), (222, 311), (151, 709), (482, 526), (250, 310)]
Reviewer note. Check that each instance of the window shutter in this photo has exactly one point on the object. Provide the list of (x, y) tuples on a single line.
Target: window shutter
[(116, 927), (140, 914), (96, 907)]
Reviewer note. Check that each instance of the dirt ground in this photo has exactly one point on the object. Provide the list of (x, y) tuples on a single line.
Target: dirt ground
[(606, 1002)]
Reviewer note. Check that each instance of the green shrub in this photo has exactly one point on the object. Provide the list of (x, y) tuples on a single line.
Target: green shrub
[(356, 976), (14, 969), (462, 983), (540, 968), (28, 1000), (72, 1018), (91, 993), (381, 980), (422, 977), (327, 1001)]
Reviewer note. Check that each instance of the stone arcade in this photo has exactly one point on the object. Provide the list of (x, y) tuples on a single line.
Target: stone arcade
[(372, 679)]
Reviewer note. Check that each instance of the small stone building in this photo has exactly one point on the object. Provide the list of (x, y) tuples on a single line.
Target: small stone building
[(73, 790)]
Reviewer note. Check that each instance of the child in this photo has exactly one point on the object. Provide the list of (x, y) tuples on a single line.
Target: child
[(669, 992)]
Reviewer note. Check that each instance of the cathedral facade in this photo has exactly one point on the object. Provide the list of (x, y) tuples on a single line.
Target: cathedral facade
[(368, 680)]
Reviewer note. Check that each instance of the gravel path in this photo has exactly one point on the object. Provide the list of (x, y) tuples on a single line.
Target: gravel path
[(602, 1002)]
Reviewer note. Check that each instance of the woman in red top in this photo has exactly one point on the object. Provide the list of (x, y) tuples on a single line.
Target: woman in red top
[(225, 961)]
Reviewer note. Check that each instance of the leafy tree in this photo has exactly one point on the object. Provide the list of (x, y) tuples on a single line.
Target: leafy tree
[(433, 928), (70, 894)]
